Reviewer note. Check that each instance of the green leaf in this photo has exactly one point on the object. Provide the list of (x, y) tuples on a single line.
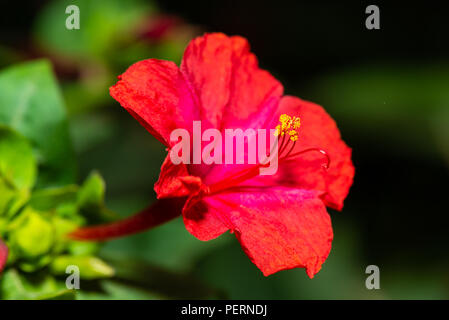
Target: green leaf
[(7, 196), (17, 163), (50, 198), (90, 267), (91, 193), (31, 234), (90, 200), (12, 287), (19, 200), (62, 227), (17, 286), (64, 294), (31, 103), (17, 171), (83, 248)]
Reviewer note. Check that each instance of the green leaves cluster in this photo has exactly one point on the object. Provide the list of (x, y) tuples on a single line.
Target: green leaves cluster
[(39, 202)]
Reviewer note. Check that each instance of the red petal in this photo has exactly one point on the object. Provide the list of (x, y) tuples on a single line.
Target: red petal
[(155, 93), (157, 214), (3, 255), (278, 228), (175, 181), (205, 218), (230, 89), (318, 130)]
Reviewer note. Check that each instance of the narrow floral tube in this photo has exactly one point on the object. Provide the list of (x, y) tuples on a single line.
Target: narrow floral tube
[(158, 213)]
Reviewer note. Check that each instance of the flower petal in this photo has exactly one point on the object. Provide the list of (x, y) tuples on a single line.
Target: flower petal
[(278, 228), (155, 93), (175, 181), (3, 255), (205, 218), (318, 130), (230, 88)]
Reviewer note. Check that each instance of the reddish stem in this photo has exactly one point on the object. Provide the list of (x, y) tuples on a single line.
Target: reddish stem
[(160, 212)]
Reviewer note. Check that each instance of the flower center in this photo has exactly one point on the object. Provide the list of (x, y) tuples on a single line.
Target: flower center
[(287, 133)]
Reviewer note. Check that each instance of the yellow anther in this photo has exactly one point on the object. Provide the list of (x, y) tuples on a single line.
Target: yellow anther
[(296, 122), (284, 118), (293, 135), (278, 130), (288, 125)]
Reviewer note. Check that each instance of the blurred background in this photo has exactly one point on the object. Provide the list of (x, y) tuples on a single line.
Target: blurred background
[(387, 89)]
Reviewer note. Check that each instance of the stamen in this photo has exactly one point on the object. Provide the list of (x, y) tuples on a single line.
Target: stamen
[(291, 149), (283, 145), (287, 126)]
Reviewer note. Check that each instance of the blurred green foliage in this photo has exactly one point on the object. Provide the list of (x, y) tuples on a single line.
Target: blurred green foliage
[(36, 212), (31, 103), (112, 37), (105, 23)]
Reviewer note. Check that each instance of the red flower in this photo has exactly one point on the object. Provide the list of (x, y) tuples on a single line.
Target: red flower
[(280, 220), (3, 255)]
